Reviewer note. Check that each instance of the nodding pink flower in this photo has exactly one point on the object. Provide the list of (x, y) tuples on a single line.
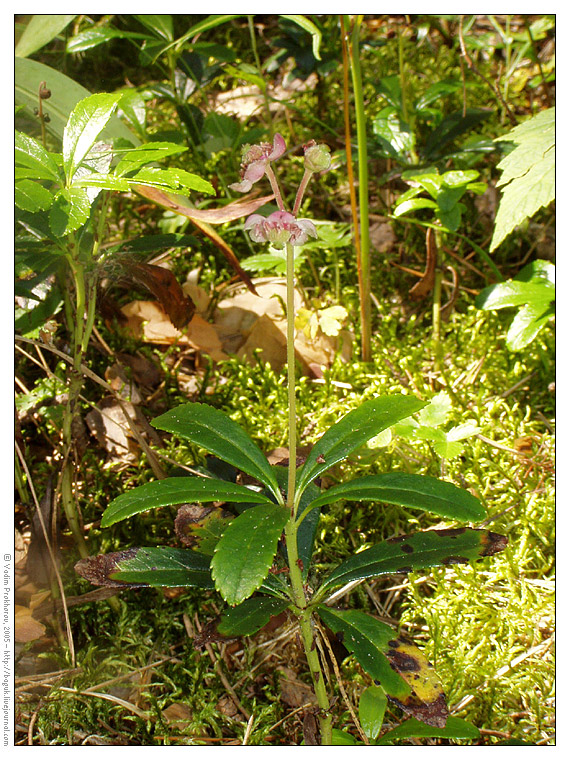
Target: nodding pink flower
[(254, 161), (279, 228)]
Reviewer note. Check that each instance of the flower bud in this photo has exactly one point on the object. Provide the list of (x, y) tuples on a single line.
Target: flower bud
[(317, 157)]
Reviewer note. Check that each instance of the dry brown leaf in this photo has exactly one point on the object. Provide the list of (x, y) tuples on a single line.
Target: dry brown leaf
[(177, 715), (26, 627), (147, 320), (295, 693)]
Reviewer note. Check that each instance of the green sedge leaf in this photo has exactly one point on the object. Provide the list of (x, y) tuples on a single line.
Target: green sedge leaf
[(249, 616), (170, 491), (416, 491), (353, 430), (245, 552), (219, 435), (153, 566), (416, 551)]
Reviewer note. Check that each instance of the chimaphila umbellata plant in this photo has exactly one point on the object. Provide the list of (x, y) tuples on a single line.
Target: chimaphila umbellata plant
[(257, 550)]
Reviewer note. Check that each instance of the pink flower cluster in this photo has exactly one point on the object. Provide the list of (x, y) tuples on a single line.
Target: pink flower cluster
[(279, 228), (255, 160)]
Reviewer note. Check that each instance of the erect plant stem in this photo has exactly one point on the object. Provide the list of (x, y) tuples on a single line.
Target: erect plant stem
[(295, 567)]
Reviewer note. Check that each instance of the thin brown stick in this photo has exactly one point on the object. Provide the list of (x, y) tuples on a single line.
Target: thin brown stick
[(338, 675)]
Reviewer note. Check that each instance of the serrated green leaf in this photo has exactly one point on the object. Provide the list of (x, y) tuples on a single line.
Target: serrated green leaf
[(100, 181), (416, 491), (147, 566), (86, 122), (528, 174), (145, 154), (416, 551), (368, 640), (371, 709), (245, 552), (31, 196), (219, 435), (249, 616), (69, 210), (32, 160), (455, 728), (353, 430), (527, 324), (171, 491), (39, 31)]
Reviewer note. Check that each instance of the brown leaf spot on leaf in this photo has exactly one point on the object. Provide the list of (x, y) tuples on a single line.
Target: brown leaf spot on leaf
[(407, 548), (450, 532), (97, 570), (432, 713), (493, 543)]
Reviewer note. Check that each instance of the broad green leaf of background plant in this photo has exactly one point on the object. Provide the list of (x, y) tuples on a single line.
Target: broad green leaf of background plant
[(159, 24), (147, 566), (39, 31), (65, 94), (219, 435), (308, 26), (171, 491), (249, 616), (91, 38), (353, 430), (534, 291), (409, 490), (528, 173), (88, 119), (245, 552), (371, 709), (416, 551), (395, 136)]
